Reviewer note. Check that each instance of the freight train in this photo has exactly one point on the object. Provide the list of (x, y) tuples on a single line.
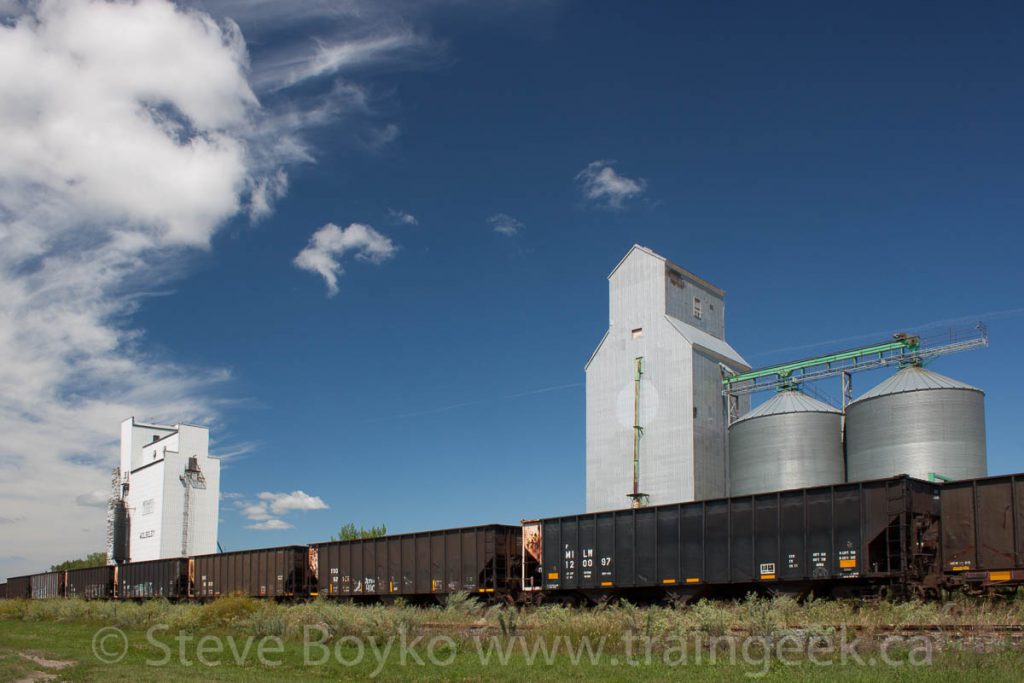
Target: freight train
[(897, 537)]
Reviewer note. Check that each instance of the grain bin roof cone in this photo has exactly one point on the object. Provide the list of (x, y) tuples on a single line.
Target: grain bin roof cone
[(920, 423), (789, 441)]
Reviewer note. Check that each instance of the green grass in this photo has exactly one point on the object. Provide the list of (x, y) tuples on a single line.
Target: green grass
[(64, 630)]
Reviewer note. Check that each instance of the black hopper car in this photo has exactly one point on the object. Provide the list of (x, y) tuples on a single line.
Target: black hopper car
[(898, 537), (422, 566)]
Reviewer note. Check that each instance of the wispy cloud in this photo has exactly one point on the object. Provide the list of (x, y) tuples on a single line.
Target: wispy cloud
[(265, 192), (255, 511), (131, 136), (320, 58), (376, 138), (602, 186), (271, 525), (133, 132), (402, 217), (282, 503), (505, 224), (329, 244)]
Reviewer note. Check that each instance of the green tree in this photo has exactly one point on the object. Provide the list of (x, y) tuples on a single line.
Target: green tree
[(349, 532), (91, 560)]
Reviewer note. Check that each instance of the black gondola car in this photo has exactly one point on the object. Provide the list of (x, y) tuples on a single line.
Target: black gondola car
[(94, 583), (153, 579), (263, 573), (843, 539), (19, 587), (47, 585), (481, 559), (983, 532)]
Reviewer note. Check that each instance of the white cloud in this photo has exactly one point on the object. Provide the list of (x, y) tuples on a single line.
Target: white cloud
[(270, 525), (329, 244), (131, 135), (505, 224), (268, 510), (132, 132), (267, 190), (254, 511), (319, 58), (282, 503), (602, 186), (377, 138), (402, 217)]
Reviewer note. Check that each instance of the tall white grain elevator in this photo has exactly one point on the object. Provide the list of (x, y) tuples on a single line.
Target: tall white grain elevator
[(654, 388), (170, 487)]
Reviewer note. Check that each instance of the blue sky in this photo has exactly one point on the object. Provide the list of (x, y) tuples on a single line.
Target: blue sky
[(842, 172)]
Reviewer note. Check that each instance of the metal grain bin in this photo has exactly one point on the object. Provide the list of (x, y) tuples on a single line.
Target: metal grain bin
[(831, 536), (481, 559), (48, 585), (153, 579), (92, 583), (983, 529), (917, 422), (19, 587), (262, 573), (789, 441)]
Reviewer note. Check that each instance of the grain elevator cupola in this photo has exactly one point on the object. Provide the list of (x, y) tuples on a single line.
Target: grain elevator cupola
[(656, 418)]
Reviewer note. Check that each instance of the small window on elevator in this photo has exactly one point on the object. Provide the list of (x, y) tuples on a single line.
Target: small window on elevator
[(698, 309), (638, 332)]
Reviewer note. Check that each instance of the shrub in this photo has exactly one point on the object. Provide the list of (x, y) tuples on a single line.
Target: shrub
[(227, 610), (760, 615), (713, 619), (461, 602)]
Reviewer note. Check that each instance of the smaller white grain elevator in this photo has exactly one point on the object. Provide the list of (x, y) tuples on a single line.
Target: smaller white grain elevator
[(654, 387), (169, 485)]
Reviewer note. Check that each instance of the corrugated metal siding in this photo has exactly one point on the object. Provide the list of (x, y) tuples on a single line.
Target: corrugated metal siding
[(709, 426), (917, 433), (785, 451), (913, 378), (682, 456)]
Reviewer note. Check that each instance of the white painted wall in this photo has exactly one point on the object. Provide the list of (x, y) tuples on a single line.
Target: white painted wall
[(134, 436), (156, 494), (145, 512)]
